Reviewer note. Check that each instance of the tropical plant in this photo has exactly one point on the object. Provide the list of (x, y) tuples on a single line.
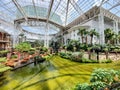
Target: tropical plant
[(77, 56), (109, 35), (102, 79), (86, 33), (98, 85), (73, 45), (105, 75), (81, 32), (24, 46), (93, 33), (106, 50), (37, 43), (65, 55), (84, 86), (96, 48), (22, 36), (3, 53), (89, 52)]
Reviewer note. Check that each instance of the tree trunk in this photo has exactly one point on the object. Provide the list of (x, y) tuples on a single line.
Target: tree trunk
[(86, 40), (98, 56), (89, 54), (82, 38), (106, 53), (91, 39)]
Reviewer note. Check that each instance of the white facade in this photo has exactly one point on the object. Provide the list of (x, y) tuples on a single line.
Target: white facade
[(94, 24)]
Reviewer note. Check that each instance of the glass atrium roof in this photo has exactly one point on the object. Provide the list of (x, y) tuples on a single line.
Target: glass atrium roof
[(59, 11)]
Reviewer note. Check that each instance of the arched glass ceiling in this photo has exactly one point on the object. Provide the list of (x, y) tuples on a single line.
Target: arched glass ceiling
[(66, 10), (41, 29)]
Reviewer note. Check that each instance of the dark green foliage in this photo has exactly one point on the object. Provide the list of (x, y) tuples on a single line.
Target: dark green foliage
[(31, 52), (84, 46), (93, 33), (65, 55), (72, 44), (3, 53), (39, 59), (37, 43)]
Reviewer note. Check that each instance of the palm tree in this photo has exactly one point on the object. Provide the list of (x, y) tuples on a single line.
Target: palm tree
[(109, 35), (81, 32), (93, 33), (86, 33), (116, 38), (106, 52)]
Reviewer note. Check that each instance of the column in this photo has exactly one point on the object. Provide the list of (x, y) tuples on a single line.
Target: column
[(101, 28), (47, 37), (116, 27), (46, 41)]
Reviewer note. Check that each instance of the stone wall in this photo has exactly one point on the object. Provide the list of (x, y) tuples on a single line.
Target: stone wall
[(102, 56)]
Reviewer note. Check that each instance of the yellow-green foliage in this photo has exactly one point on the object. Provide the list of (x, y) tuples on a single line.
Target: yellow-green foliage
[(24, 46), (2, 59)]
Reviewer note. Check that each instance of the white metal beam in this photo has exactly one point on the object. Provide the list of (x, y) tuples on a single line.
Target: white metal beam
[(34, 8), (20, 9), (114, 6), (49, 11), (67, 12)]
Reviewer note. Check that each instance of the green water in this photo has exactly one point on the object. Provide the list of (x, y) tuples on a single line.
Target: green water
[(61, 74)]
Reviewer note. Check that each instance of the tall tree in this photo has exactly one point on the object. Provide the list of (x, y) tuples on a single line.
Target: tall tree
[(109, 35), (93, 33), (84, 33), (115, 39), (81, 32)]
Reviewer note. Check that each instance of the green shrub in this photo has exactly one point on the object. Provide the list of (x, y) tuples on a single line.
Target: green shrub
[(104, 75), (14, 56), (32, 49), (85, 60), (65, 55), (84, 86), (3, 53), (2, 60), (24, 46), (44, 49), (77, 56), (31, 52), (101, 79), (106, 61), (98, 85)]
